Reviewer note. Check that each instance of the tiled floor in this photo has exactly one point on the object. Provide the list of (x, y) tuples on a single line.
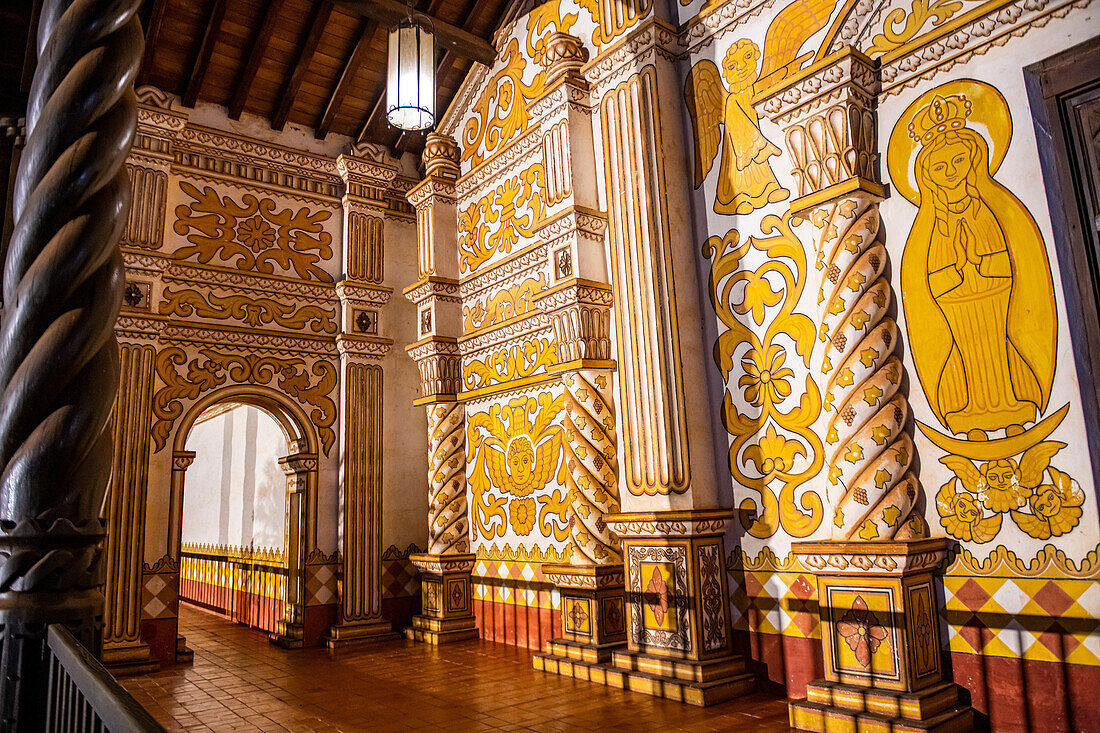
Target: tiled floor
[(240, 682)]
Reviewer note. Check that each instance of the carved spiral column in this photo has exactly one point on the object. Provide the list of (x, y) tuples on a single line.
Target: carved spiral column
[(870, 486), (446, 590), (591, 463), (58, 354), (875, 577), (448, 520)]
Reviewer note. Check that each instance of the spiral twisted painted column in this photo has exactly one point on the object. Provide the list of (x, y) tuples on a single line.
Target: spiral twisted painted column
[(448, 521), (59, 371), (590, 466), (870, 486)]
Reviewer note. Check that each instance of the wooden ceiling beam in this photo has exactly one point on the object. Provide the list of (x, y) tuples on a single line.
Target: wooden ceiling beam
[(206, 52), (318, 19), (390, 12), (256, 53), (351, 67)]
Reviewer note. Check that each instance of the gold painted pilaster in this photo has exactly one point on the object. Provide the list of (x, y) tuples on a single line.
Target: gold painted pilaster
[(301, 472), (876, 576), (446, 589), (123, 649)]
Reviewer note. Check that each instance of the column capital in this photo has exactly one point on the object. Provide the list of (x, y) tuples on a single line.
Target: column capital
[(827, 113)]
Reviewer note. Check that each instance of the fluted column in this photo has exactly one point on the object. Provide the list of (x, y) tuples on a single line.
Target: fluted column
[(875, 576), (445, 588), (59, 359), (123, 648)]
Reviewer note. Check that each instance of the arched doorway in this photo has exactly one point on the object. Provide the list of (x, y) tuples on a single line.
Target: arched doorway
[(233, 540), (243, 515)]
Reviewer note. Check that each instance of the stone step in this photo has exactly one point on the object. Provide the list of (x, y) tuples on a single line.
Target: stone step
[(818, 718)]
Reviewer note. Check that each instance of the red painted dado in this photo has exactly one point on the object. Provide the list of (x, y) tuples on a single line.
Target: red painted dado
[(790, 662), (160, 635), (1025, 695), (515, 624), (317, 621)]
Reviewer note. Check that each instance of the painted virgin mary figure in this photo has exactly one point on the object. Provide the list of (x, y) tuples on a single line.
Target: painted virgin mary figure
[(976, 283)]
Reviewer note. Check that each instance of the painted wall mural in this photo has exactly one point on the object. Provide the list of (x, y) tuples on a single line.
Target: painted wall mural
[(976, 276), (252, 234)]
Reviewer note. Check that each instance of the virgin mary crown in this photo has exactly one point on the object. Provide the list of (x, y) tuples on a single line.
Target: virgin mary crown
[(943, 115)]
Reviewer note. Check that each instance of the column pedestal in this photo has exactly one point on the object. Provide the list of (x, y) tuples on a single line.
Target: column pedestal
[(124, 660), (446, 593), (593, 618), (880, 634), (360, 632)]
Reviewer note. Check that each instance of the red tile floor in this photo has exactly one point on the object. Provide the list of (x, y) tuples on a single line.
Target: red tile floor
[(240, 682)]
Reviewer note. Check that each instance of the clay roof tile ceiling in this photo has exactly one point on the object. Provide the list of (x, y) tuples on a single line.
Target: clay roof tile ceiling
[(315, 63)]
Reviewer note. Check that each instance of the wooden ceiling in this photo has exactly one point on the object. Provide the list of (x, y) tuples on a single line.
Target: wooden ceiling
[(314, 63)]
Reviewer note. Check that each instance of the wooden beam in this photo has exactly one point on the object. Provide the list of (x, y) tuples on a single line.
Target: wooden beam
[(318, 19), (389, 12), (351, 67), (376, 109), (206, 52), (256, 54)]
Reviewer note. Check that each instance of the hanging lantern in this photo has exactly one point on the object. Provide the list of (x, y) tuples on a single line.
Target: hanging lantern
[(410, 89)]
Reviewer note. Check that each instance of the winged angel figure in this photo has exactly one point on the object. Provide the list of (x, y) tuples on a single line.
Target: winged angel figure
[(745, 180)]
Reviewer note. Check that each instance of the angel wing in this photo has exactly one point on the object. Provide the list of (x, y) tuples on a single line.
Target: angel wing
[(965, 470), (788, 32), (547, 455), (496, 467), (705, 96)]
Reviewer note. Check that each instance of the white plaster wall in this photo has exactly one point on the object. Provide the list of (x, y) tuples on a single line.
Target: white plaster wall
[(235, 491)]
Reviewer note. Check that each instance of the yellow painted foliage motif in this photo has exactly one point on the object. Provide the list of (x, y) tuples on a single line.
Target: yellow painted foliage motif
[(516, 451), (745, 178), (253, 234), (770, 444), (505, 304), (899, 27), (256, 312), (510, 363), (497, 221), (501, 111)]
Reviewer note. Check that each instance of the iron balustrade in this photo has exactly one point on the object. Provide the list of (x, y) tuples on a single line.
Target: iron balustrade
[(246, 585), (83, 697)]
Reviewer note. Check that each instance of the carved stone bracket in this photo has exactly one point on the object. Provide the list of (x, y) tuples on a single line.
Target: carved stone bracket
[(827, 114), (440, 367), (581, 314)]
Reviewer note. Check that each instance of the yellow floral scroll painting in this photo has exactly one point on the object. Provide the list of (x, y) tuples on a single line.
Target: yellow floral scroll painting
[(745, 178), (978, 297)]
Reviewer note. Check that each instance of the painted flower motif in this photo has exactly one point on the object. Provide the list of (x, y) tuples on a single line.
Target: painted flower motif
[(999, 487), (758, 297), (1055, 508), (658, 588), (765, 378), (862, 632), (256, 234), (522, 513), (963, 517), (774, 454)]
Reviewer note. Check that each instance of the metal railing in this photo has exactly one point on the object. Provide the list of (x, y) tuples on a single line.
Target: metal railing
[(247, 585), (83, 697)]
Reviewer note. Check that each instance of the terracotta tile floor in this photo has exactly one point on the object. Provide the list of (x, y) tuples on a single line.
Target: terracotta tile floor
[(240, 682)]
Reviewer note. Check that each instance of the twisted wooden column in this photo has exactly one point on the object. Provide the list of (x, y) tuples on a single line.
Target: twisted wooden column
[(448, 520), (871, 488), (59, 369), (590, 458)]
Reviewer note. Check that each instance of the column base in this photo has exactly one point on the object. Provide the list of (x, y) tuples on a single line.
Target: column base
[(129, 659), (441, 631), (288, 635), (833, 707), (695, 683), (360, 632), (184, 653)]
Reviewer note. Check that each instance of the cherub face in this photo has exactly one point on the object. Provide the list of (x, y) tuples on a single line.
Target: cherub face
[(521, 459), (1046, 502), (966, 509), (739, 64), (948, 166)]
